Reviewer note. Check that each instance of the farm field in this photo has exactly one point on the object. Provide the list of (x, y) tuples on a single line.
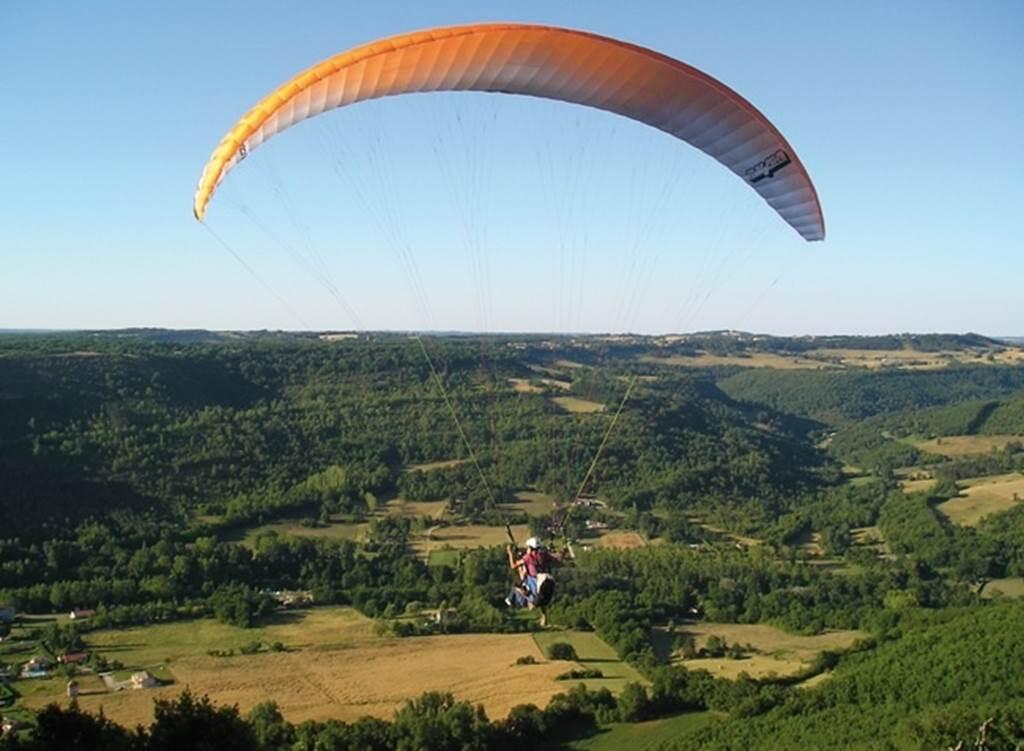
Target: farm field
[(593, 654), (983, 496), (1011, 586), (815, 680), (532, 502), (741, 539), (756, 360), (774, 650), (339, 527), (965, 445), (427, 467), (866, 535), (468, 536), (523, 386), (820, 359), (576, 405), (355, 531), (624, 540), (336, 666), (904, 359), (917, 486), (402, 507), (810, 543), (645, 736), (912, 359), (444, 557)]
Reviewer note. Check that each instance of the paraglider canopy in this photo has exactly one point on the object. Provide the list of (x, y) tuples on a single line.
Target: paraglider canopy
[(553, 63)]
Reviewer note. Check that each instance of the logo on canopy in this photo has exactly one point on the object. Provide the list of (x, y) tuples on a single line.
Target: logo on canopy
[(767, 167)]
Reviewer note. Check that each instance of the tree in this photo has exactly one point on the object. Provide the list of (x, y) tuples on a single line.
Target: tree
[(272, 731), (561, 650), (59, 728), (634, 704), (196, 724), (436, 721)]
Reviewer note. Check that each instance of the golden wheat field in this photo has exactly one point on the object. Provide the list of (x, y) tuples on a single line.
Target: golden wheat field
[(917, 486), (624, 540), (965, 445), (336, 667), (756, 360), (1011, 586), (982, 497)]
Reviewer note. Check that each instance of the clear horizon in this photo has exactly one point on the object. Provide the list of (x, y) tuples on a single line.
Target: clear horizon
[(507, 214), (472, 332)]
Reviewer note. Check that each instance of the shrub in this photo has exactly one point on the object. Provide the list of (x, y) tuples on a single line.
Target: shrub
[(579, 675), (561, 650)]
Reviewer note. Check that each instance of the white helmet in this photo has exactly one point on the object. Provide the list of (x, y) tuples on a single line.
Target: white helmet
[(533, 542)]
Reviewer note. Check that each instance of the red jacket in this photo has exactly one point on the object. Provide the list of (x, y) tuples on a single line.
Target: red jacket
[(537, 562)]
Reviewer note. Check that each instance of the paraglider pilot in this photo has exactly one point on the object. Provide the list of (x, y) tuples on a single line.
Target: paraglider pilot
[(536, 586)]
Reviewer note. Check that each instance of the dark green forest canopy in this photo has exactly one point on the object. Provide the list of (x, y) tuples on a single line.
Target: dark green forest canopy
[(993, 416), (238, 427), (840, 397)]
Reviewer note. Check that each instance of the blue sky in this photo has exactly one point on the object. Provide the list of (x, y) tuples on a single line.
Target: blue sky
[(907, 116)]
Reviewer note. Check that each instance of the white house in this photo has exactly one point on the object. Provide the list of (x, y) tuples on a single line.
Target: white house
[(143, 679)]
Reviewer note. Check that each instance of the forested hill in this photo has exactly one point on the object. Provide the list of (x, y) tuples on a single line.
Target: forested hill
[(995, 416), (247, 428), (836, 397), (931, 688)]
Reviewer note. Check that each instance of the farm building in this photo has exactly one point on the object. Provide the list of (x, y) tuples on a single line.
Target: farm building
[(77, 615), (444, 615), (589, 501), (73, 658), (37, 667), (143, 679), (292, 598), (7, 613), (10, 725)]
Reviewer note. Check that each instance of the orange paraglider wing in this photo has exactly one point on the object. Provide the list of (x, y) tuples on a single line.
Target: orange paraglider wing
[(553, 63)]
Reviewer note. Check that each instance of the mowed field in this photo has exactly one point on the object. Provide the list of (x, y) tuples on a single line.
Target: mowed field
[(1011, 586), (774, 650), (820, 359), (965, 445), (869, 537), (532, 502), (467, 536), (429, 466), (537, 385), (624, 540), (593, 654), (356, 531), (912, 359), (645, 736), (576, 405), (338, 528), (755, 360), (336, 667), (917, 486), (983, 496)]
